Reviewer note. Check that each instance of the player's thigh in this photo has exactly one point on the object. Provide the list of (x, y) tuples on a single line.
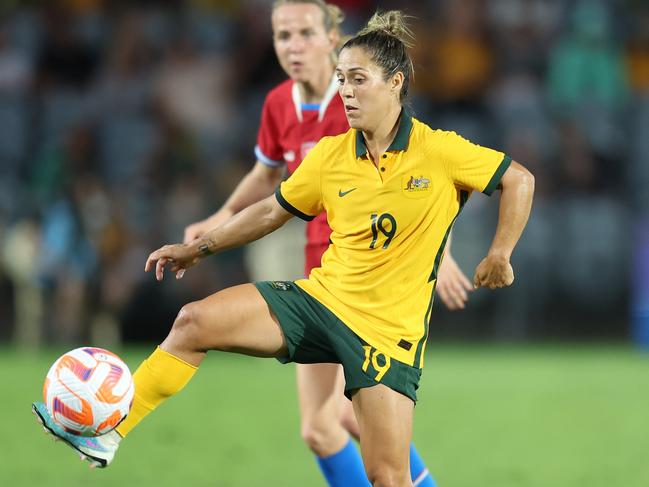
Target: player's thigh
[(236, 319), (385, 422), (320, 390)]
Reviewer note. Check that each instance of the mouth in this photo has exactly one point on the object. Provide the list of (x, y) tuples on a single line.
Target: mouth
[(349, 109), (295, 65)]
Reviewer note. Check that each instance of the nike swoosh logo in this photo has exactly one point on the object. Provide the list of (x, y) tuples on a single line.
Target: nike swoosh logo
[(342, 193)]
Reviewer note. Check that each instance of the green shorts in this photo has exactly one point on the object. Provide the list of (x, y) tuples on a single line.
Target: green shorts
[(315, 335)]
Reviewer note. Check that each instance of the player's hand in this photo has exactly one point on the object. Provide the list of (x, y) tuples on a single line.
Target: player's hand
[(452, 285), (493, 272), (197, 230), (179, 258), (200, 228)]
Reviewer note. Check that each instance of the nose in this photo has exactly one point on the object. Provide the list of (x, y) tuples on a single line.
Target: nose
[(346, 90), (295, 45)]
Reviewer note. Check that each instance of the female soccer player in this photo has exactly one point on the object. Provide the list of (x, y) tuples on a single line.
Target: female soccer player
[(297, 114), (392, 189)]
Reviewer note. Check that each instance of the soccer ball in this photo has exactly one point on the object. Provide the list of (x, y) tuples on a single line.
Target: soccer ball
[(88, 391)]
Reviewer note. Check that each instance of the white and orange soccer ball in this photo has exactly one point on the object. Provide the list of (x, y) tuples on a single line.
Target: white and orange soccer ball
[(88, 391)]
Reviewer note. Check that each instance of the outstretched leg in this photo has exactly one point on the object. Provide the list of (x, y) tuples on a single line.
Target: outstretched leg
[(235, 320)]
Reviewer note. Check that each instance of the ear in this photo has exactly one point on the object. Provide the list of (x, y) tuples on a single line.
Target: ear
[(334, 38), (396, 82)]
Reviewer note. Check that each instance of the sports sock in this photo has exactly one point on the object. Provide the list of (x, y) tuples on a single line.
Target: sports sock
[(344, 468), (419, 473), (157, 378)]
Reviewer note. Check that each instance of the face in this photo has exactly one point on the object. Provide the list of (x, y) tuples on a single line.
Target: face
[(367, 97), (303, 46)]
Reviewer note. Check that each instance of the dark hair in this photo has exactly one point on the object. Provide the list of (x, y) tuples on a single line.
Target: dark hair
[(386, 37)]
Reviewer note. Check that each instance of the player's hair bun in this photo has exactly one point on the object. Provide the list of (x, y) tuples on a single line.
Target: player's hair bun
[(393, 23)]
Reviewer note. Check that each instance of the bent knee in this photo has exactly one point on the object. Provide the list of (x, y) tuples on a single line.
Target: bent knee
[(188, 322), (383, 475), (187, 317), (322, 435)]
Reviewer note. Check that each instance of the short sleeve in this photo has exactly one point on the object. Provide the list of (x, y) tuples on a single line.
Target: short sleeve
[(472, 166), (301, 193), (268, 150)]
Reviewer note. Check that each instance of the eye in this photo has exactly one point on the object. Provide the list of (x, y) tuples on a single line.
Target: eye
[(341, 81), (359, 80)]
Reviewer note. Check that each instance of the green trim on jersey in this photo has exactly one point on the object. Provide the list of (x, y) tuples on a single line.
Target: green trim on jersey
[(290, 208), (418, 362), (464, 196), (400, 141), (495, 179)]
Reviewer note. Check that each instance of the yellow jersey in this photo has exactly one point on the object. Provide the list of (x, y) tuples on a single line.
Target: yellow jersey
[(389, 226)]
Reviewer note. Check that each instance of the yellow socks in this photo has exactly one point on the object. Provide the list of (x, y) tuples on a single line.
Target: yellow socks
[(159, 377)]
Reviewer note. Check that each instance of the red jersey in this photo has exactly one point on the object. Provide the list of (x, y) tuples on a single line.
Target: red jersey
[(288, 130)]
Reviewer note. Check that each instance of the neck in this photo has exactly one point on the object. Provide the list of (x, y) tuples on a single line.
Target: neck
[(313, 91), (379, 138)]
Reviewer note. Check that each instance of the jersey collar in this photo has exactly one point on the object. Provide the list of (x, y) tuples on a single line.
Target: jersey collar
[(400, 141), (332, 90)]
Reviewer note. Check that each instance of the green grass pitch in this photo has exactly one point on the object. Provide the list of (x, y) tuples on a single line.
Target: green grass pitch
[(487, 416)]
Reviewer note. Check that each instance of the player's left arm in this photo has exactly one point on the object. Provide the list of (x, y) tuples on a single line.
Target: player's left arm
[(517, 191)]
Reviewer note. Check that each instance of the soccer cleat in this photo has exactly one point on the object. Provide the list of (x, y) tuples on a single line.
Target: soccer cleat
[(99, 451)]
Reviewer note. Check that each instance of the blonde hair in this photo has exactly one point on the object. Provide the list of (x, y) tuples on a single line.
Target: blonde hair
[(332, 15), (387, 37)]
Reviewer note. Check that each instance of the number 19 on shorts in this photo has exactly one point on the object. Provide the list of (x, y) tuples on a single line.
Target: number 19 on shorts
[(380, 362)]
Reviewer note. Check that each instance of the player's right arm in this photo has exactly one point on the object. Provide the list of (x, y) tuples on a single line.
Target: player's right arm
[(258, 184), (299, 195), (248, 225)]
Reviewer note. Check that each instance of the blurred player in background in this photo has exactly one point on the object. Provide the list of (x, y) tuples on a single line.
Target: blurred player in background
[(296, 115)]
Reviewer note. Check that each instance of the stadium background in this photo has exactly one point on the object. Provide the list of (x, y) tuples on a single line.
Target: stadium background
[(121, 122)]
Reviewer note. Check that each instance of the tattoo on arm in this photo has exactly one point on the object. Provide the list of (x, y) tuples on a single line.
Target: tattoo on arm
[(204, 249)]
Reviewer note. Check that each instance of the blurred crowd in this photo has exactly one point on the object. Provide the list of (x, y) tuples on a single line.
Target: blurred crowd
[(122, 122)]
